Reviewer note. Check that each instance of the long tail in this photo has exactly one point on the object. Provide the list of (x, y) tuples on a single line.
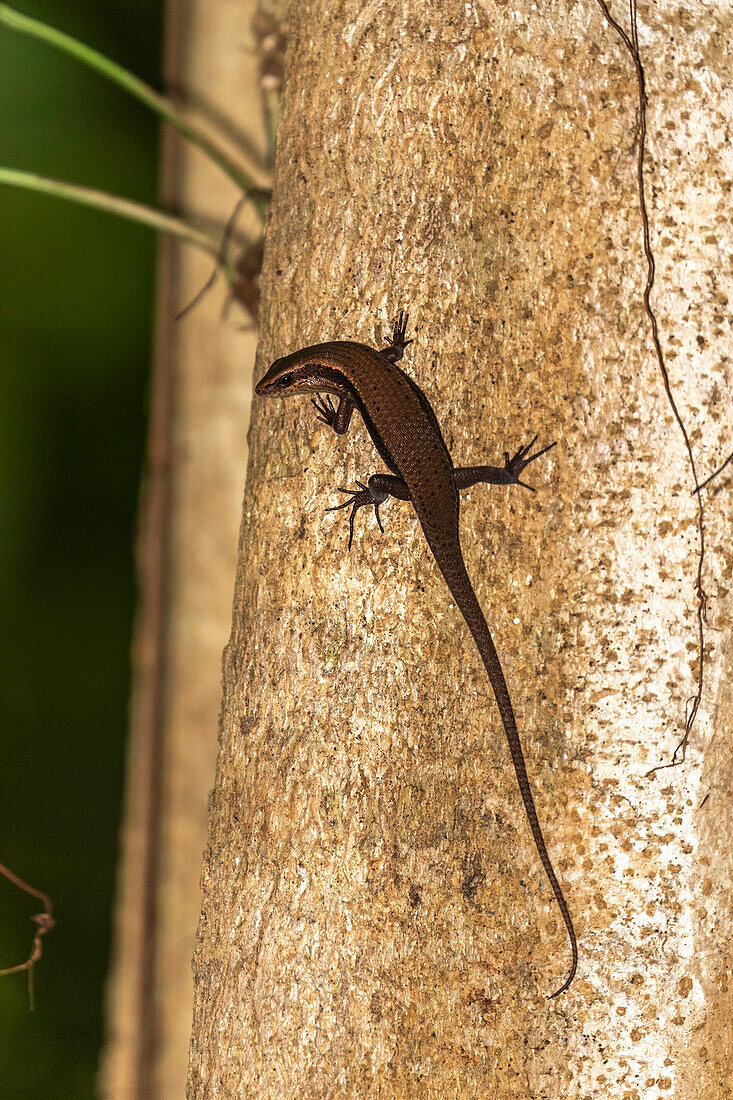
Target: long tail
[(462, 591)]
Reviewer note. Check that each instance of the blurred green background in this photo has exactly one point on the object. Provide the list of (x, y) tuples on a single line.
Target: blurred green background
[(76, 292)]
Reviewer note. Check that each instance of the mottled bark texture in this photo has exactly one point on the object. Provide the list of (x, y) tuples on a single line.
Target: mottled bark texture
[(187, 556), (376, 922)]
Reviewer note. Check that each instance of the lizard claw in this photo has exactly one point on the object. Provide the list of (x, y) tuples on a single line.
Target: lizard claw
[(515, 465), (358, 498), (325, 409), (397, 343)]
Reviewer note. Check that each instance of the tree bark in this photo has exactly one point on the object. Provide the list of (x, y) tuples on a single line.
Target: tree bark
[(376, 922)]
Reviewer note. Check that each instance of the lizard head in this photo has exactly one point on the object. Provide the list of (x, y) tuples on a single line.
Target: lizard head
[(284, 378), (296, 373)]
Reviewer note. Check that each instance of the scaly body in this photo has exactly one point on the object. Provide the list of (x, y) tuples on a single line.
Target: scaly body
[(407, 436)]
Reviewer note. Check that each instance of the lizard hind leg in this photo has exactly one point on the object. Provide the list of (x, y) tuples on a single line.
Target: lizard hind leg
[(508, 474)]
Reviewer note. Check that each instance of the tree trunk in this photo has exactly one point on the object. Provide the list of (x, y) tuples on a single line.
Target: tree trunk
[(187, 555), (376, 922)]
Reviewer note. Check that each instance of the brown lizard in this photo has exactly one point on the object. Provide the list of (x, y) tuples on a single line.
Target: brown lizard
[(406, 433)]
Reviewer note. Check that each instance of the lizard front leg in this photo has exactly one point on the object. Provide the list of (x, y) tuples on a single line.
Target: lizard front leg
[(397, 342), (377, 490), (508, 474), (338, 419)]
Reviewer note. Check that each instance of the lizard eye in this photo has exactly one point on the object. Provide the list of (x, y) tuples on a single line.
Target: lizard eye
[(293, 379)]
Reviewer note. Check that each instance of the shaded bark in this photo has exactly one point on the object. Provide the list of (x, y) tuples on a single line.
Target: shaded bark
[(200, 398), (375, 920)]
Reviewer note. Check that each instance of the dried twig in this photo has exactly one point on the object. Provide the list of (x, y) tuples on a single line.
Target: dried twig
[(44, 923)]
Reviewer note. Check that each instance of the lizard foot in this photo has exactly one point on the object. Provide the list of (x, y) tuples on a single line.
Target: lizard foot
[(514, 466), (359, 498), (325, 409), (397, 343)]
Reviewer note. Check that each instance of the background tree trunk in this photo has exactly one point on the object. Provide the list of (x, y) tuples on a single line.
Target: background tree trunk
[(375, 921), (187, 555)]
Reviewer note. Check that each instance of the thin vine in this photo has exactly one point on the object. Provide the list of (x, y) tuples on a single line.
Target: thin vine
[(631, 43)]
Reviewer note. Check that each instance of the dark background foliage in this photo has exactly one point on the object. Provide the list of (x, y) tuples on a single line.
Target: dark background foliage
[(76, 290)]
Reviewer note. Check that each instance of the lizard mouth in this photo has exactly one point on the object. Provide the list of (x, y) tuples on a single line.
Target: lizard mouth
[(271, 382), (283, 379)]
